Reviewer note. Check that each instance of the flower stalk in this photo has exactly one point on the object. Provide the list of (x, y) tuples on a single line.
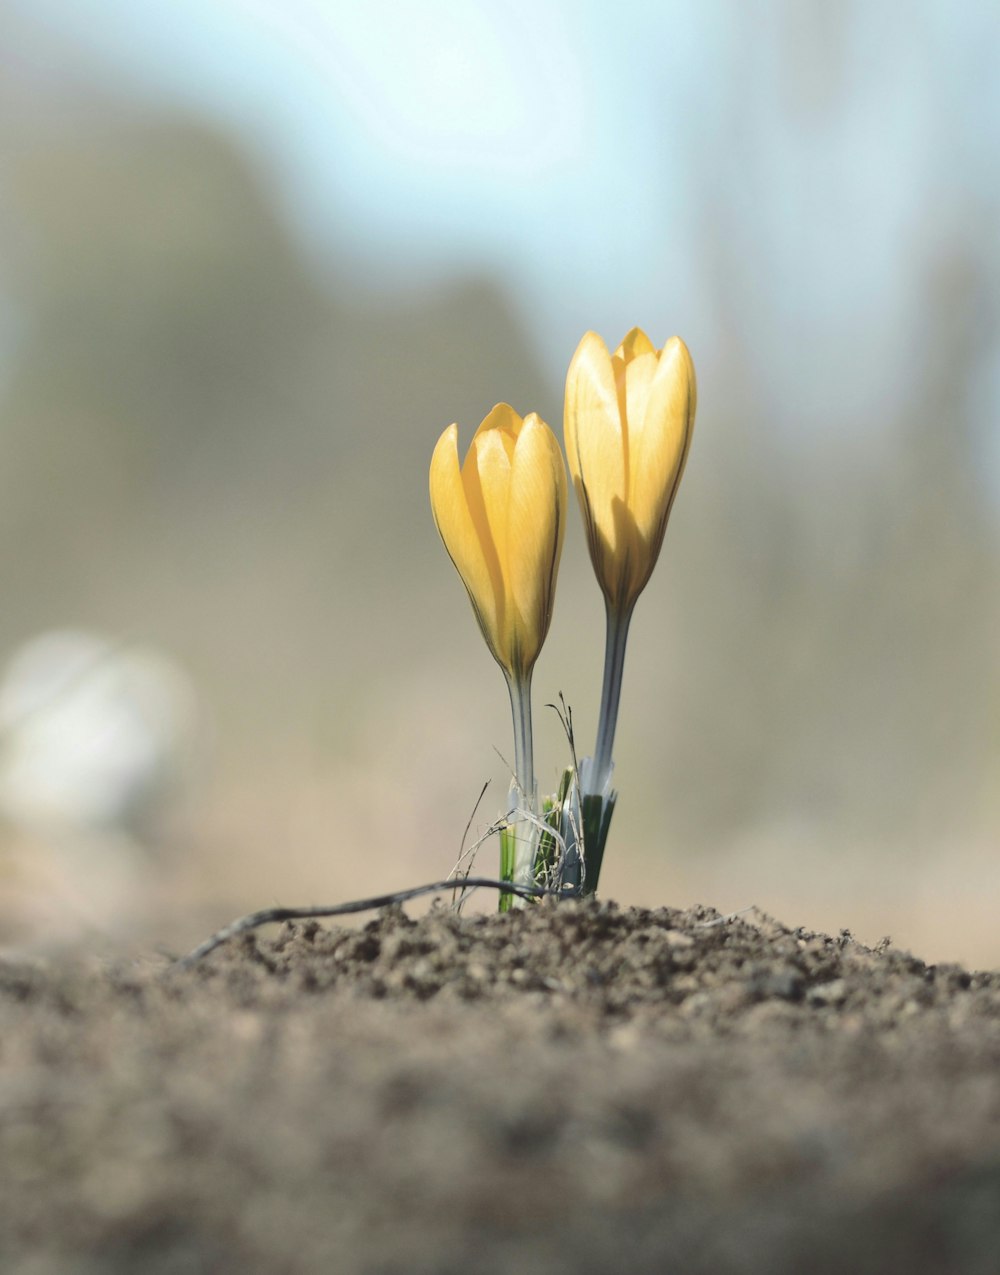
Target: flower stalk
[(611, 692), (585, 816), (524, 760), (519, 840)]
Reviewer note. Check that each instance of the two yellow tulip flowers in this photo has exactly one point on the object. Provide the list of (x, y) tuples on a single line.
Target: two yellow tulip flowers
[(502, 514)]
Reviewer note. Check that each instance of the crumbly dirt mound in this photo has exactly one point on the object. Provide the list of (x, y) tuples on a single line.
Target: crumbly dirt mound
[(564, 1089)]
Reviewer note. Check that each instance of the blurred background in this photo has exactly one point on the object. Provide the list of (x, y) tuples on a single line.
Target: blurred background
[(256, 254)]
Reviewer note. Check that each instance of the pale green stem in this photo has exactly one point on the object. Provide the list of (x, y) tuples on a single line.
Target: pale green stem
[(524, 772), (614, 661)]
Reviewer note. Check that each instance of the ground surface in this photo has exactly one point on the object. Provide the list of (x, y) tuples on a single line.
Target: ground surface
[(574, 1089)]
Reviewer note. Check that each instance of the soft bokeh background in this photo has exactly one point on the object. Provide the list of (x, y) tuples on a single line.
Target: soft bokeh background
[(256, 254)]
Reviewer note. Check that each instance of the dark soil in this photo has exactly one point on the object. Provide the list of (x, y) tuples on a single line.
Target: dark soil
[(566, 1089)]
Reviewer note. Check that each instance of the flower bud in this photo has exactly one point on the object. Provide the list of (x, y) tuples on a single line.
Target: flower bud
[(502, 517), (628, 425)]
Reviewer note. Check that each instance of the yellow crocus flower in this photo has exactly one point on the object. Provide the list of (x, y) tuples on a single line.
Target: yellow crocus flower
[(628, 425), (502, 517)]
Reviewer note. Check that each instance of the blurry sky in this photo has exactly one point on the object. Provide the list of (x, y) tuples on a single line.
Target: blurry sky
[(576, 149), (256, 254)]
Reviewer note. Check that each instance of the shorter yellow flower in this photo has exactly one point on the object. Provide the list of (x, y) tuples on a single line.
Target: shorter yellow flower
[(628, 425), (502, 518)]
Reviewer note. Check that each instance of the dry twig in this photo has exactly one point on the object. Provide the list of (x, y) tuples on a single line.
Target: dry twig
[(267, 916)]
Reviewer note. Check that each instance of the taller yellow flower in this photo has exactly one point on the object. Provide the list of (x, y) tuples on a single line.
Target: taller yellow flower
[(628, 424), (502, 517)]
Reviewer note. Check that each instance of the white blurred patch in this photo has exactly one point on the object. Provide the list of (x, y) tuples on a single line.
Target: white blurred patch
[(93, 735), (98, 741)]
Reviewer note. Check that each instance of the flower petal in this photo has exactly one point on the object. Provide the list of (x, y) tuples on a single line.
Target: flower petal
[(595, 449), (503, 419), (538, 498), (660, 443), (639, 374), (635, 344), (462, 538), (486, 476)]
